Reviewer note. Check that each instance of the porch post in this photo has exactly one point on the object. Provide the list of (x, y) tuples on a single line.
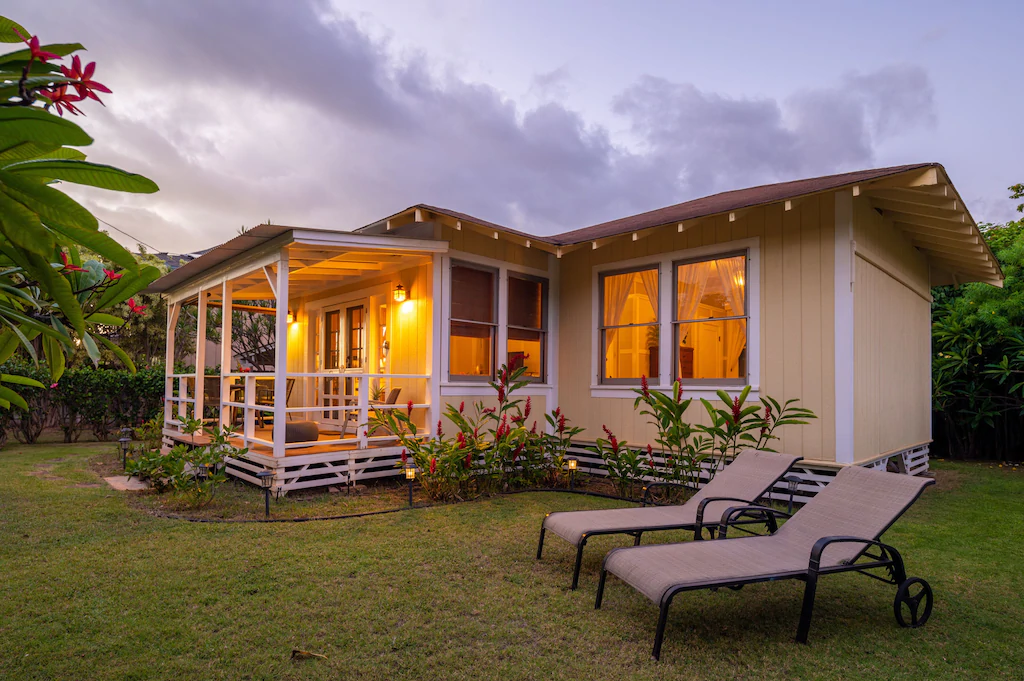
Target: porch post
[(172, 321), (197, 411), (281, 355), (226, 355), (434, 344)]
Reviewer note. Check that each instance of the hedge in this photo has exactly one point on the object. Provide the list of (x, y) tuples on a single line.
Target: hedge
[(99, 400)]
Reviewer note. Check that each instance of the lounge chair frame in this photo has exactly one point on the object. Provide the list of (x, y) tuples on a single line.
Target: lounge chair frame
[(887, 558), (637, 532)]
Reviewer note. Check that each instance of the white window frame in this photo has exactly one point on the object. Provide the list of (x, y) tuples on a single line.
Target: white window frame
[(666, 293), (549, 388)]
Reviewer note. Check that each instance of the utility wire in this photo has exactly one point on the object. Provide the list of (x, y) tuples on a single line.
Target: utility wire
[(135, 238)]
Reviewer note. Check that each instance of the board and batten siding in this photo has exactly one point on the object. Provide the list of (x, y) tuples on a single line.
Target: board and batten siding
[(796, 320), (892, 338)]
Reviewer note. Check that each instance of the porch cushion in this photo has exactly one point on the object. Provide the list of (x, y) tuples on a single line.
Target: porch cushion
[(301, 431)]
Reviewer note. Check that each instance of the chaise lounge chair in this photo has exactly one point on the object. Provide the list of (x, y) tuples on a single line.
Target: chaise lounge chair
[(751, 474), (837, 531)]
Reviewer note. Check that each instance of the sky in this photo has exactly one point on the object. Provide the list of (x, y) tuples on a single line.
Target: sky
[(542, 115)]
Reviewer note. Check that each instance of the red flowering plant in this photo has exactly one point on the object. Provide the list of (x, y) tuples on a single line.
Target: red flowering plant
[(681, 454), (556, 446), (49, 297), (737, 425), (624, 464)]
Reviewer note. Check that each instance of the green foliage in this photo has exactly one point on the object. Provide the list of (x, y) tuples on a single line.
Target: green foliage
[(978, 355), (192, 472), (492, 450), (101, 400), (50, 300)]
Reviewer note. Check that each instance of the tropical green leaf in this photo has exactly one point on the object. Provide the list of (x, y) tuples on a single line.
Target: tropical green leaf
[(60, 290), (104, 318), (62, 49), (48, 203), (119, 353), (31, 124), (13, 397), (127, 286), (21, 380), (22, 226), (85, 172), (9, 30), (100, 243), (26, 150), (91, 348), (54, 354), (13, 88), (25, 343), (8, 344)]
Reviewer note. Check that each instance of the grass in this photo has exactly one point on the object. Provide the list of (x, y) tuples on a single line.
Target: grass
[(95, 587)]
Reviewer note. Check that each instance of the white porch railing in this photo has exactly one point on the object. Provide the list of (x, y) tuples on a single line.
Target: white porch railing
[(338, 401)]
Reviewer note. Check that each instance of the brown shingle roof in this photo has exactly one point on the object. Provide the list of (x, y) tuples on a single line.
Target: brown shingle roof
[(727, 201)]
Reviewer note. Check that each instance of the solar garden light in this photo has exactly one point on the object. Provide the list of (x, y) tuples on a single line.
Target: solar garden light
[(124, 442), (410, 475), (201, 472), (266, 482), (573, 463), (792, 482)]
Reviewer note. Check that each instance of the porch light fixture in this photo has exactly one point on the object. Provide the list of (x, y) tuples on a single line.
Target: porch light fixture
[(792, 482), (124, 442), (291, 317), (266, 482), (399, 294), (573, 463), (410, 475)]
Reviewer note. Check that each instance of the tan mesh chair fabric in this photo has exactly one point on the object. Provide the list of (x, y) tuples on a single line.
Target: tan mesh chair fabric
[(859, 502), (750, 475)]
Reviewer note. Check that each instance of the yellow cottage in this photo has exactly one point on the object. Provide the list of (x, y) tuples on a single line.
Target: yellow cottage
[(816, 289)]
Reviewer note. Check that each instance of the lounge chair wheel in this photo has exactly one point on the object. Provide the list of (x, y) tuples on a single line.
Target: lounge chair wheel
[(914, 596), (735, 587)]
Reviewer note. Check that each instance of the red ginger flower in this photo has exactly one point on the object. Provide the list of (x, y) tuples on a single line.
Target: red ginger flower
[(558, 411), (643, 386), (405, 457), (462, 406), (135, 307), (61, 100), (112, 275), (33, 48), (533, 430), (469, 460), (68, 265), (433, 465), (650, 456), (736, 410), (408, 409), (526, 412), (85, 84), (561, 423), (612, 440), (460, 440), (501, 393), (440, 433)]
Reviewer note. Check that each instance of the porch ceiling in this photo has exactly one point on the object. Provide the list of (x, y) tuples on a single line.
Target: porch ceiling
[(315, 268)]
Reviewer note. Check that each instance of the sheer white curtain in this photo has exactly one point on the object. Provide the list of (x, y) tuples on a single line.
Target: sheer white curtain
[(732, 273), (616, 294), (691, 279), (649, 278)]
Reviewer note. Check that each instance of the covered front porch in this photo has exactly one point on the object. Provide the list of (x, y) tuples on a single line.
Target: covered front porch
[(294, 339)]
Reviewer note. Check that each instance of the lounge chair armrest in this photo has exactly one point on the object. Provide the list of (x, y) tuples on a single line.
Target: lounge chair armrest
[(707, 500), (646, 497), (819, 547), (766, 513)]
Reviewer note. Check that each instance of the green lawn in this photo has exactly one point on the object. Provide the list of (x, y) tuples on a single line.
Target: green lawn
[(94, 587)]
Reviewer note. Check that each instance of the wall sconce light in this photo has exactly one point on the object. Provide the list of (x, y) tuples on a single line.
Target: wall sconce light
[(291, 317), (399, 294), (410, 475), (266, 482)]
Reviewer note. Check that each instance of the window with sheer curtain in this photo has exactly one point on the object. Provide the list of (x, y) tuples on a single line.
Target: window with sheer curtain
[(474, 321), (630, 328), (527, 325), (710, 320)]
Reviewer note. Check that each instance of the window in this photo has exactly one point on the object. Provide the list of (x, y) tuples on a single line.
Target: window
[(527, 325), (473, 323), (711, 320), (629, 325)]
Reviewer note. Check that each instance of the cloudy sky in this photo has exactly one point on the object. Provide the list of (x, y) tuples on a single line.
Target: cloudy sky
[(543, 115)]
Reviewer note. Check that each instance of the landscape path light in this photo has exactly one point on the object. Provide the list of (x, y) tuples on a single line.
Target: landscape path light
[(410, 475), (573, 463), (266, 482), (124, 442), (792, 483)]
